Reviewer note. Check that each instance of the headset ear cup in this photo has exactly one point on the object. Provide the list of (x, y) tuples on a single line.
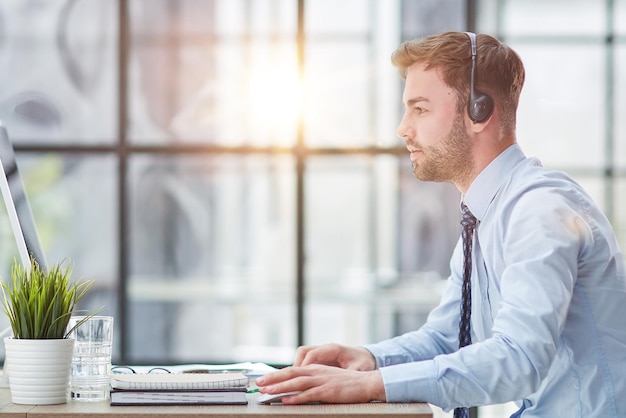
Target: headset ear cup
[(480, 108)]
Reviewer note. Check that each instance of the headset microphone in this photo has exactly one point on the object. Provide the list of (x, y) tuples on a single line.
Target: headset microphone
[(480, 106)]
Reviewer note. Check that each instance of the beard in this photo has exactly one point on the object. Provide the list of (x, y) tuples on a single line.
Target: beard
[(451, 160)]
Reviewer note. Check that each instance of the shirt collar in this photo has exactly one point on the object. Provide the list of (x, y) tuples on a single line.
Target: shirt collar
[(486, 185)]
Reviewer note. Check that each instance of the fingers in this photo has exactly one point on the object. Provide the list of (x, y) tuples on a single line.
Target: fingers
[(295, 376), (301, 353), (287, 380), (327, 384), (327, 354), (274, 377), (302, 397), (306, 380), (280, 376)]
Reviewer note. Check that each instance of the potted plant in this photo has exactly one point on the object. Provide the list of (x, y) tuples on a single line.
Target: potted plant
[(39, 305)]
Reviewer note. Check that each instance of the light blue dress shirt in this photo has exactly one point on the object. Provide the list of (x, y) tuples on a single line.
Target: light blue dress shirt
[(548, 305)]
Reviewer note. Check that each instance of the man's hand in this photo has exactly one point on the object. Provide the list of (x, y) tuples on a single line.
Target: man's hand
[(321, 383), (352, 358)]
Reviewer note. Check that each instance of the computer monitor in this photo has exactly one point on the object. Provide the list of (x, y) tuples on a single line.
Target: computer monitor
[(20, 217), (17, 205)]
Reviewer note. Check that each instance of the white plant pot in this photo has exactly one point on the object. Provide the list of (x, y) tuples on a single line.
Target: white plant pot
[(38, 370)]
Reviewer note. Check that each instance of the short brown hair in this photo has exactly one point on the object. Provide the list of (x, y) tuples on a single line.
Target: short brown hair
[(499, 70)]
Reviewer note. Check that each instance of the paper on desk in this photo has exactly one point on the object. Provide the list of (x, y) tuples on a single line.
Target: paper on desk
[(250, 369)]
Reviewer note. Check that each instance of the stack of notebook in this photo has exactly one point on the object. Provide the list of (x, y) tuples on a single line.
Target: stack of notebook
[(179, 389)]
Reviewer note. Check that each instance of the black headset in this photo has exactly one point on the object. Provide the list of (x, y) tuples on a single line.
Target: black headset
[(480, 106)]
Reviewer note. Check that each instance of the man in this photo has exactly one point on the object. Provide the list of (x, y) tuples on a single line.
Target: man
[(546, 275)]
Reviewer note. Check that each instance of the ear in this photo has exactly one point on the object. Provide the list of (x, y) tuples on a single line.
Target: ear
[(478, 127)]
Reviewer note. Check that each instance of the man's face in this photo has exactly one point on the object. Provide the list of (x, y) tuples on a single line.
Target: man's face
[(433, 130)]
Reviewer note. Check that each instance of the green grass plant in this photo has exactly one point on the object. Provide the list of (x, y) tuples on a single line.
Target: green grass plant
[(39, 303)]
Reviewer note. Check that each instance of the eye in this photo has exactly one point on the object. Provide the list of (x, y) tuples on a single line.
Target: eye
[(419, 109)]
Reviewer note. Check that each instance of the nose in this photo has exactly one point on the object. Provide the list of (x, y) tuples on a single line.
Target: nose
[(404, 131)]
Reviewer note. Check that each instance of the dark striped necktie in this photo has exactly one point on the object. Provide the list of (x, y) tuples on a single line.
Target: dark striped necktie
[(465, 338)]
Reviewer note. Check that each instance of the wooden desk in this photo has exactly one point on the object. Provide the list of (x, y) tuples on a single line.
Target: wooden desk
[(103, 409)]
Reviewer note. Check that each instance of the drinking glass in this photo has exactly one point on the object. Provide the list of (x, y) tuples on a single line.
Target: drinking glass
[(91, 362)]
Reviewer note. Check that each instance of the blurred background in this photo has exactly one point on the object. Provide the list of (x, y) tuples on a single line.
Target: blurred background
[(228, 170)]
